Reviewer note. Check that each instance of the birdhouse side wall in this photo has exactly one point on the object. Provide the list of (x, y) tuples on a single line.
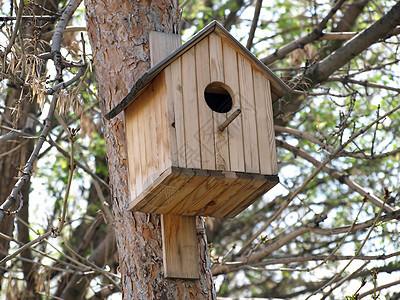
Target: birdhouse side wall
[(147, 137), (248, 143)]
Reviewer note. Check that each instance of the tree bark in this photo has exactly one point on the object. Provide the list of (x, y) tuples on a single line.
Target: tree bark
[(118, 32)]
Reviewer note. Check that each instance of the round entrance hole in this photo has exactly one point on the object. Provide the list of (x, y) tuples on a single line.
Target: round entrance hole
[(218, 97)]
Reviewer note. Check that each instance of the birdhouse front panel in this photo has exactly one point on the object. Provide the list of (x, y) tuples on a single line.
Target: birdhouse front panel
[(201, 133), (247, 144)]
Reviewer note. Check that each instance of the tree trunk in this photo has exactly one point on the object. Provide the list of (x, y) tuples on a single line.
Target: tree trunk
[(118, 32)]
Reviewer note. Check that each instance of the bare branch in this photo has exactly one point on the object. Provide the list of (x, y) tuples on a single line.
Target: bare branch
[(254, 24), (67, 83), (72, 136), (252, 260), (362, 155), (335, 174), (364, 83), (26, 246), (41, 18), (29, 165), (301, 42), (16, 29), (58, 34), (46, 35), (321, 70), (379, 288)]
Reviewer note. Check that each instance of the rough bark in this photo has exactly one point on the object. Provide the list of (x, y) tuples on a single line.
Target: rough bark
[(118, 31)]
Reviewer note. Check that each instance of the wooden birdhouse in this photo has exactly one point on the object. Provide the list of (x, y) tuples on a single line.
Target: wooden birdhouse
[(199, 128)]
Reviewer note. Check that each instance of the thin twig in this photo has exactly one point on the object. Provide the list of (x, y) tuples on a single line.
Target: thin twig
[(357, 253), (253, 27), (320, 167), (96, 268), (40, 18), (314, 35), (48, 34), (376, 129), (378, 288), (72, 137), (24, 247), (361, 154), (79, 164), (15, 31), (335, 174), (26, 174), (104, 205)]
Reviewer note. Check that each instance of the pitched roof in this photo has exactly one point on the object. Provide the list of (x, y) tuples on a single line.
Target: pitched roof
[(279, 88)]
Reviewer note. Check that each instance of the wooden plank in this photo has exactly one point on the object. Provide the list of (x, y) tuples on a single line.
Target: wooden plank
[(162, 44), (222, 159), (172, 154), (190, 110), (248, 116), (234, 130), (148, 122), (263, 128), (225, 207), (141, 162), (220, 200), (265, 124), (160, 125), (217, 74), (206, 123), (197, 197), (216, 58), (210, 198), (156, 187), (178, 111), (191, 185), (252, 185), (180, 247), (145, 151), (162, 194), (265, 187), (132, 141), (270, 125), (164, 201)]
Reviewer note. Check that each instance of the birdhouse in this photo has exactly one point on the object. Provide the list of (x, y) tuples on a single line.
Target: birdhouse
[(199, 128)]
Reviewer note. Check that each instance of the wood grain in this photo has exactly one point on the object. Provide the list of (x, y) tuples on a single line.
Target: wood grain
[(179, 247), (170, 118), (190, 110), (235, 130), (206, 123), (257, 194), (178, 111), (161, 44), (248, 115), (222, 161), (265, 129)]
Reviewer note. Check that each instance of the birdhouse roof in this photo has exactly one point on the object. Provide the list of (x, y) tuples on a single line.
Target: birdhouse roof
[(278, 87)]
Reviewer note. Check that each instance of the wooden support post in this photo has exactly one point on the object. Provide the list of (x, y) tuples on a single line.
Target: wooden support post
[(180, 253), (179, 234)]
